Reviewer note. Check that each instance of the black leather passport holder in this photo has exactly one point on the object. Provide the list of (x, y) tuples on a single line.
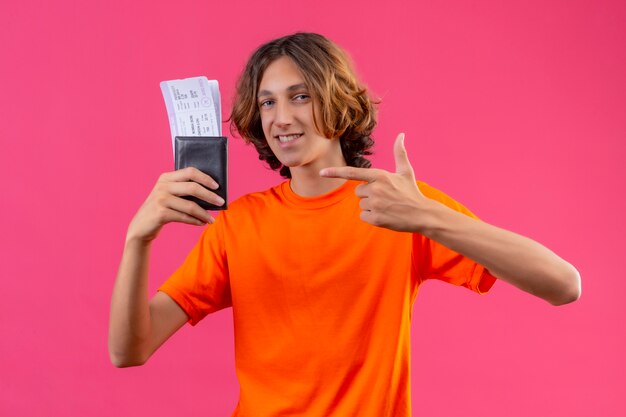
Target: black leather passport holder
[(210, 155)]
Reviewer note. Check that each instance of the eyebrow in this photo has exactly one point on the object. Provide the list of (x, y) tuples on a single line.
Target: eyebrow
[(289, 89)]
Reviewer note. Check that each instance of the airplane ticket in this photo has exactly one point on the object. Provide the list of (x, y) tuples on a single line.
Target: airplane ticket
[(193, 107)]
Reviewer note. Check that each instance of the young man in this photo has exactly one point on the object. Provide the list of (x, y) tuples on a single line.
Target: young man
[(321, 270)]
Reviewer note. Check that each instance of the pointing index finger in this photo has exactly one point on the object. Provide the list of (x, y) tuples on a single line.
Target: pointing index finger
[(350, 173)]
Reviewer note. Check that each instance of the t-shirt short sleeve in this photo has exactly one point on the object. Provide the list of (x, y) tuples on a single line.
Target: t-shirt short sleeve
[(433, 260), (201, 284)]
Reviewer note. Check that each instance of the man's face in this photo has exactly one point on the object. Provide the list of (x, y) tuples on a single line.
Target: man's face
[(286, 109)]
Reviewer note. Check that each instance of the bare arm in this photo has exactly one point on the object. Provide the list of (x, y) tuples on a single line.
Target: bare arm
[(138, 326), (516, 259), (393, 201)]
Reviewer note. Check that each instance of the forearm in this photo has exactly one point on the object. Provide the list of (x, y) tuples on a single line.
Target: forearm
[(129, 327), (139, 325), (508, 256)]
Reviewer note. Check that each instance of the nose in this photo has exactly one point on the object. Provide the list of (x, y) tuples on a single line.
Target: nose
[(283, 115)]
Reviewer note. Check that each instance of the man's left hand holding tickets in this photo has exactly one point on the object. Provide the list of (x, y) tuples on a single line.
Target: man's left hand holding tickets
[(390, 200)]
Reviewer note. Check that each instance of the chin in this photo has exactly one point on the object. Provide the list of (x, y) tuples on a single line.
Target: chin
[(290, 163)]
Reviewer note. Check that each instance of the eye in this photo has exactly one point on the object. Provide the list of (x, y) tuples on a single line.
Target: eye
[(266, 103), (302, 97)]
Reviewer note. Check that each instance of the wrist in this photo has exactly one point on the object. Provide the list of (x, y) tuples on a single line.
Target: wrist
[(431, 218), (136, 241)]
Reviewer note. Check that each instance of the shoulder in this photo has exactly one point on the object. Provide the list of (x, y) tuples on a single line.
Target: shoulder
[(435, 194)]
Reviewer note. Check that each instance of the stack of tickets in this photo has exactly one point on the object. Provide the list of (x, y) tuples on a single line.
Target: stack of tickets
[(193, 107)]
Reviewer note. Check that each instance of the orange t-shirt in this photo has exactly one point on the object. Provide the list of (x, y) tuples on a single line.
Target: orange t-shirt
[(321, 300)]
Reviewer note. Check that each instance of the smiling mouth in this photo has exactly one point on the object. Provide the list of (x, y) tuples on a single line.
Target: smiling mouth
[(288, 138)]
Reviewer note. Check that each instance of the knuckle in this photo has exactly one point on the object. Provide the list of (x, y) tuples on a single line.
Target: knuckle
[(161, 215), (375, 219), (190, 206), (160, 188), (160, 200), (202, 193), (366, 216), (190, 188)]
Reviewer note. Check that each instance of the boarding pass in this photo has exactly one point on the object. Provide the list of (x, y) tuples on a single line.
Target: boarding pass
[(193, 107)]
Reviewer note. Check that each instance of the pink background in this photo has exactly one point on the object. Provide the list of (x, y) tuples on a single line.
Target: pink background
[(516, 110)]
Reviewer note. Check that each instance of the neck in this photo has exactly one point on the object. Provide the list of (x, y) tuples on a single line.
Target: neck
[(306, 180), (310, 184)]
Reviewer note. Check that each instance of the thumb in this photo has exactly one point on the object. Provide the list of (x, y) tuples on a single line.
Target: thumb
[(403, 166)]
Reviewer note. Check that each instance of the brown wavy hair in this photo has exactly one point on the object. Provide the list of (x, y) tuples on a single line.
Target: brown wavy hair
[(348, 112)]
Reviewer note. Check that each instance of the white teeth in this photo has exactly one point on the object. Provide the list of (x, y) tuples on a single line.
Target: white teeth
[(288, 138)]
